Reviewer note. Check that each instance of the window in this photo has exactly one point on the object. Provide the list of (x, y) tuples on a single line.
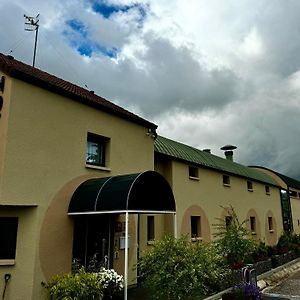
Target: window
[(150, 228), (195, 226), (228, 221), (293, 194), (193, 172), (95, 150), (270, 224), (252, 224), (8, 237), (226, 180), (267, 189), (250, 186)]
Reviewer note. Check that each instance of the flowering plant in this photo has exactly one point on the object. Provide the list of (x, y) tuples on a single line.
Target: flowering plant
[(112, 282), (247, 290)]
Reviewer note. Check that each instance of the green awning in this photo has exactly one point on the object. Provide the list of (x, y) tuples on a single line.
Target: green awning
[(146, 192)]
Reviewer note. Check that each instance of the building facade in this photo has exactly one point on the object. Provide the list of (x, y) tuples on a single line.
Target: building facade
[(55, 136), (71, 165), (205, 186), (289, 197)]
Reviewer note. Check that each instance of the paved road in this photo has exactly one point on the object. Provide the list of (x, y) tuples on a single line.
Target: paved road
[(290, 287)]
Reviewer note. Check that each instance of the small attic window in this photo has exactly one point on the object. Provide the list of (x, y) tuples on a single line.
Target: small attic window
[(250, 186), (267, 189), (193, 172), (226, 180)]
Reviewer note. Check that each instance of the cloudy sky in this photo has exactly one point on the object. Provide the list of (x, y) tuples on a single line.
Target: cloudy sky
[(207, 72)]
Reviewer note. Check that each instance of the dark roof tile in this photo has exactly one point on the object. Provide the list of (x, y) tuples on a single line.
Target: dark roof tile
[(24, 72)]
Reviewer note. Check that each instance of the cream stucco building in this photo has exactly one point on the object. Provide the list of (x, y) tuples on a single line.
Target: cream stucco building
[(205, 186), (72, 163), (54, 136)]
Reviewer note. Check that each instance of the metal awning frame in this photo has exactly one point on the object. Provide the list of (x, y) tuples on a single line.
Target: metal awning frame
[(127, 212)]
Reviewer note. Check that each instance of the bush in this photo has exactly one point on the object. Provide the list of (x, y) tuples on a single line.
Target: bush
[(211, 269), (179, 269), (79, 286), (261, 252), (83, 285), (233, 241), (284, 243)]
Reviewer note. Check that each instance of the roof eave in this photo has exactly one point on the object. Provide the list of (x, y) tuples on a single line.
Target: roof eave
[(215, 169)]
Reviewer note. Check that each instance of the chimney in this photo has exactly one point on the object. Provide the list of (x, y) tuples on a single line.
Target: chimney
[(228, 151)]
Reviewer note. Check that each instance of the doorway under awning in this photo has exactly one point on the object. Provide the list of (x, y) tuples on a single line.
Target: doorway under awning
[(140, 193)]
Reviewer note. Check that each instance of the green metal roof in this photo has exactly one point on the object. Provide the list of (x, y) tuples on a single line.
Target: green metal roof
[(290, 182), (195, 156)]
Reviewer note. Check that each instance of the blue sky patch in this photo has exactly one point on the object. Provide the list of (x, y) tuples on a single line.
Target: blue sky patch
[(110, 52), (81, 42), (107, 9), (77, 26), (85, 49)]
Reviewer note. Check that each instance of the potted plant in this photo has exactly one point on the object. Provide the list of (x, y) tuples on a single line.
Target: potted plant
[(243, 291)]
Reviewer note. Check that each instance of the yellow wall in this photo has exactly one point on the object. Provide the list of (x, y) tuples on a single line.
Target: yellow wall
[(3, 125), (295, 201), (44, 163), (295, 206), (207, 197)]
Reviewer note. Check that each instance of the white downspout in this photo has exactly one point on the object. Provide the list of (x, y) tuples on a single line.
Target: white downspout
[(126, 257), (175, 225)]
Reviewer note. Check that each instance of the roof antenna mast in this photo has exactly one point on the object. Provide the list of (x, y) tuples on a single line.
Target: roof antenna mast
[(32, 24)]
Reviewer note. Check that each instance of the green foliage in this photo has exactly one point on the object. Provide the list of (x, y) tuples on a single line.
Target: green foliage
[(76, 286), (210, 267), (233, 240), (179, 269), (284, 243), (261, 252), (288, 241)]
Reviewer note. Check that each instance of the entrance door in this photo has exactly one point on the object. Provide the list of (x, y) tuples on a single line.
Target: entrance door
[(93, 240)]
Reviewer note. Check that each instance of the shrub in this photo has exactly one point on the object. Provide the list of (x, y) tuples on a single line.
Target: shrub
[(211, 269), (233, 240), (179, 269), (261, 252), (82, 285), (112, 281), (79, 286), (284, 243)]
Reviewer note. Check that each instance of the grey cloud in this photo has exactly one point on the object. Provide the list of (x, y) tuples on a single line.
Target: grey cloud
[(279, 24), (171, 79)]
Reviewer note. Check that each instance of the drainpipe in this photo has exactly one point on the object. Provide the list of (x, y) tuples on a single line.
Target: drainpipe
[(6, 279)]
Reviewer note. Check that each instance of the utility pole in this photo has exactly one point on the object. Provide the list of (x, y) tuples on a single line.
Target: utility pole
[(32, 24)]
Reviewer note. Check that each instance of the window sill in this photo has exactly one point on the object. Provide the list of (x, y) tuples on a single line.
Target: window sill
[(250, 190), (194, 178), (268, 194), (7, 262), (253, 233), (271, 231), (226, 184), (97, 168), (150, 242), (195, 239)]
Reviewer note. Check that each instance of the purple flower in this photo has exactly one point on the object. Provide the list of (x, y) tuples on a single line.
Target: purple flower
[(247, 289)]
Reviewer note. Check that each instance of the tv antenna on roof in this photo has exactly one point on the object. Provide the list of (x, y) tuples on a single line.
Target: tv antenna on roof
[(32, 24)]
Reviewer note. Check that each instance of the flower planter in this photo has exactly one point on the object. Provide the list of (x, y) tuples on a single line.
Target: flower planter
[(233, 296), (277, 260), (263, 266), (232, 278)]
